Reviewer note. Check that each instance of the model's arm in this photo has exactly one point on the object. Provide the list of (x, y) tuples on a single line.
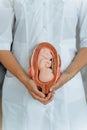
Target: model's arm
[(80, 59), (7, 16), (77, 64), (10, 63)]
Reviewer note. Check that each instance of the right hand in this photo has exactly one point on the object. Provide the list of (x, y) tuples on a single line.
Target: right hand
[(38, 95), (15, 68)]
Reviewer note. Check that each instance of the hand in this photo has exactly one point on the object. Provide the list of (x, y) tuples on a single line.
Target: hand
[(38, 95), (65, 77)]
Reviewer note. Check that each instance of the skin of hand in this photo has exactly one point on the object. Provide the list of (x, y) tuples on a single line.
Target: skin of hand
[(33, 90), (11, 64), (77, 64)]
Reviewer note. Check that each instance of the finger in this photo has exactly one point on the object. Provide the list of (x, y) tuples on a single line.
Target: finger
[(49, 99), (38, 93), (48, 96), (34, 96), (54, 88), (34, 89), (42, 100), (37, 97)]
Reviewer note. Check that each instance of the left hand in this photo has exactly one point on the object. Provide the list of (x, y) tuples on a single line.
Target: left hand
[(65, 77), (76, 65)]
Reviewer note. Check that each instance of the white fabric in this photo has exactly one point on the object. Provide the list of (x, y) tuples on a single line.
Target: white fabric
[(6, 22), (53, 21)]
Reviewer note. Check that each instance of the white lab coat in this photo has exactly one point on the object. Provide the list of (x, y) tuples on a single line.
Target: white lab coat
[(36, 21)]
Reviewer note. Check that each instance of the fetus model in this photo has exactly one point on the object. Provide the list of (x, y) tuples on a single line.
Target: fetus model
[(45, 65)]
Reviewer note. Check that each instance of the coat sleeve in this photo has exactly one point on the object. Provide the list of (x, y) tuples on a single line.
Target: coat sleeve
[(83, 23), (6, 24)]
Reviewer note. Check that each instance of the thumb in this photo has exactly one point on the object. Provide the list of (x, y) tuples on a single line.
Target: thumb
[(39, 93), (53, 88)]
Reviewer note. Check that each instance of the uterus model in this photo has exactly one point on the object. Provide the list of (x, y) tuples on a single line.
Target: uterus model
[(44, 66)]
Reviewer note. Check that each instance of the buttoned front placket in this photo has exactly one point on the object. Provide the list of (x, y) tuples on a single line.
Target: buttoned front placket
[(45, 13), (45, 17), (52, 13), (46, 26)]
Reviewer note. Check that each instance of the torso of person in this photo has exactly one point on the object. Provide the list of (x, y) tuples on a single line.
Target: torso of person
[(45, 21)]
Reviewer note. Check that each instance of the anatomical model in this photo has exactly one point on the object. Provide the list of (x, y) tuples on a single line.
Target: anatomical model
[(45, 65)]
